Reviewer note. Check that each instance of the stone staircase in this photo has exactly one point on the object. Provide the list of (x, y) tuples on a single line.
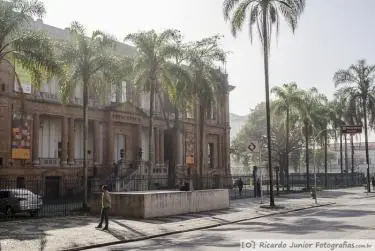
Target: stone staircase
[(132, 176)]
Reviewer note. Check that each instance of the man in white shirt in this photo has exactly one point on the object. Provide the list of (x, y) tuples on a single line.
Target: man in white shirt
[(106, 205)]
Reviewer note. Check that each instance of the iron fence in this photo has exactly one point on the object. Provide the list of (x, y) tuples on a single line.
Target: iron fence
[(61, 196), (51, 196)]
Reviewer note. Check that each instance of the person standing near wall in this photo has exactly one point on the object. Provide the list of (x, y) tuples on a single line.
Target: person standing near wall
[(106, 205)]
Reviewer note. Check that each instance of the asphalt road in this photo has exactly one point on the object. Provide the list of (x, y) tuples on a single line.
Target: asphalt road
[(353, 219)]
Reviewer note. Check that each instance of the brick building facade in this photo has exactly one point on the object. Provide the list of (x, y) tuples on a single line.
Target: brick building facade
[(56, 159)]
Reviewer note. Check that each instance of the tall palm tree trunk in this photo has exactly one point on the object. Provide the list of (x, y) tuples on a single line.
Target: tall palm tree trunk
[(201, 143), (287, 151), (307, 156), (85, 139), (277, 173), (366, 144), (326, 158), (151, 135), (268, 112), (341, 157)]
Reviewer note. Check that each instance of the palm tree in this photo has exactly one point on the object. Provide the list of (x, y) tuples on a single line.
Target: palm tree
[(208, 83), (310, 113), (153, 71), (323, 130), (263, 14), (359, 95), (338, 116), (178, 91), (289, 97), (18, 45), (85, 61)]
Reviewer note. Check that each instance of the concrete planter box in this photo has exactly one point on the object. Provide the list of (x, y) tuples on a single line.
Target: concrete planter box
[(150, 204)]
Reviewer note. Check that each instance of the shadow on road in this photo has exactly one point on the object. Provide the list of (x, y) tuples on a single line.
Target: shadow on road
[(193, 242), (302, 225)]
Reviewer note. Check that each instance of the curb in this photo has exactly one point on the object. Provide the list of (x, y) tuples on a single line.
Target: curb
[(368, 196), (191, 229)]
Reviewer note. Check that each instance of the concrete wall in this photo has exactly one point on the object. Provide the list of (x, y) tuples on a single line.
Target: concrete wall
[(162, 203)]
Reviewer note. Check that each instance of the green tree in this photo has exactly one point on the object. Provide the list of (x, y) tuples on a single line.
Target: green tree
[(178, 96), (85, 61), (263, 14), (254, 128), (153, 71), (289, 97), (18, 45), (323, 131), (338, 116), (209, 83), (309, 113), (358, 91)]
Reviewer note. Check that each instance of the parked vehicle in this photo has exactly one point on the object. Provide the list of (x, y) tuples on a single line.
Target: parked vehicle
[(14, 201)]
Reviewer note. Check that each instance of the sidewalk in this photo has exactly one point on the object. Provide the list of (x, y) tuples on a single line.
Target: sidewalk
[(72, 233)]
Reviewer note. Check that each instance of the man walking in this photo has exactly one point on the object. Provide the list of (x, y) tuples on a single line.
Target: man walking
[(240, 186), (106, 205)]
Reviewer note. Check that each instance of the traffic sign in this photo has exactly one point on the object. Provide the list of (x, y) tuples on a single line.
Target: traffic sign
[(253, 146), (351, 129)]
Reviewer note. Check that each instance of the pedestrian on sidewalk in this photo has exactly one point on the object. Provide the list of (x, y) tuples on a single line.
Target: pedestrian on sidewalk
[(240, 186), (373, 182), (106, 205), (258, 188)]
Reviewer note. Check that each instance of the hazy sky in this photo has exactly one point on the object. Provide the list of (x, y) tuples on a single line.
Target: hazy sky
[(331, 34)]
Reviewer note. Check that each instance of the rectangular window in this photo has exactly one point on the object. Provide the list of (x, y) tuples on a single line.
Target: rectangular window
[(211, 155), (123, 92), (119, 147), (211, 111)]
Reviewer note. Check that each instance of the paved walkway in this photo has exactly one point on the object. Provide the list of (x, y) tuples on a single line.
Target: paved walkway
[(74, 232)]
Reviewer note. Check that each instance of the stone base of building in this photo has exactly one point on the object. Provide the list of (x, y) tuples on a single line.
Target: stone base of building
[(151, 204)]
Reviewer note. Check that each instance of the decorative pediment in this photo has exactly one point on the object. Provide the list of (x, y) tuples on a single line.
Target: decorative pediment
[(127, 107)]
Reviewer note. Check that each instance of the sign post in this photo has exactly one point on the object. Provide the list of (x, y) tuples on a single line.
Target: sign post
[(351, 129), (254, 147)]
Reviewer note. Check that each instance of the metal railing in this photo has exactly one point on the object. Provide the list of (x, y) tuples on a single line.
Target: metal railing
[(64, 195), (49, 161)]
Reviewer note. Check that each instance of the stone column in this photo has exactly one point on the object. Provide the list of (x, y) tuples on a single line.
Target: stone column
[(156, 144), (96, 150), (161, 145), (36, 125), (71, 143), (110, 140), (219, 152), (64, 140)]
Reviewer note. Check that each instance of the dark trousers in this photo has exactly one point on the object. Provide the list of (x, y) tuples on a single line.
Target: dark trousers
[(104, 217)]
